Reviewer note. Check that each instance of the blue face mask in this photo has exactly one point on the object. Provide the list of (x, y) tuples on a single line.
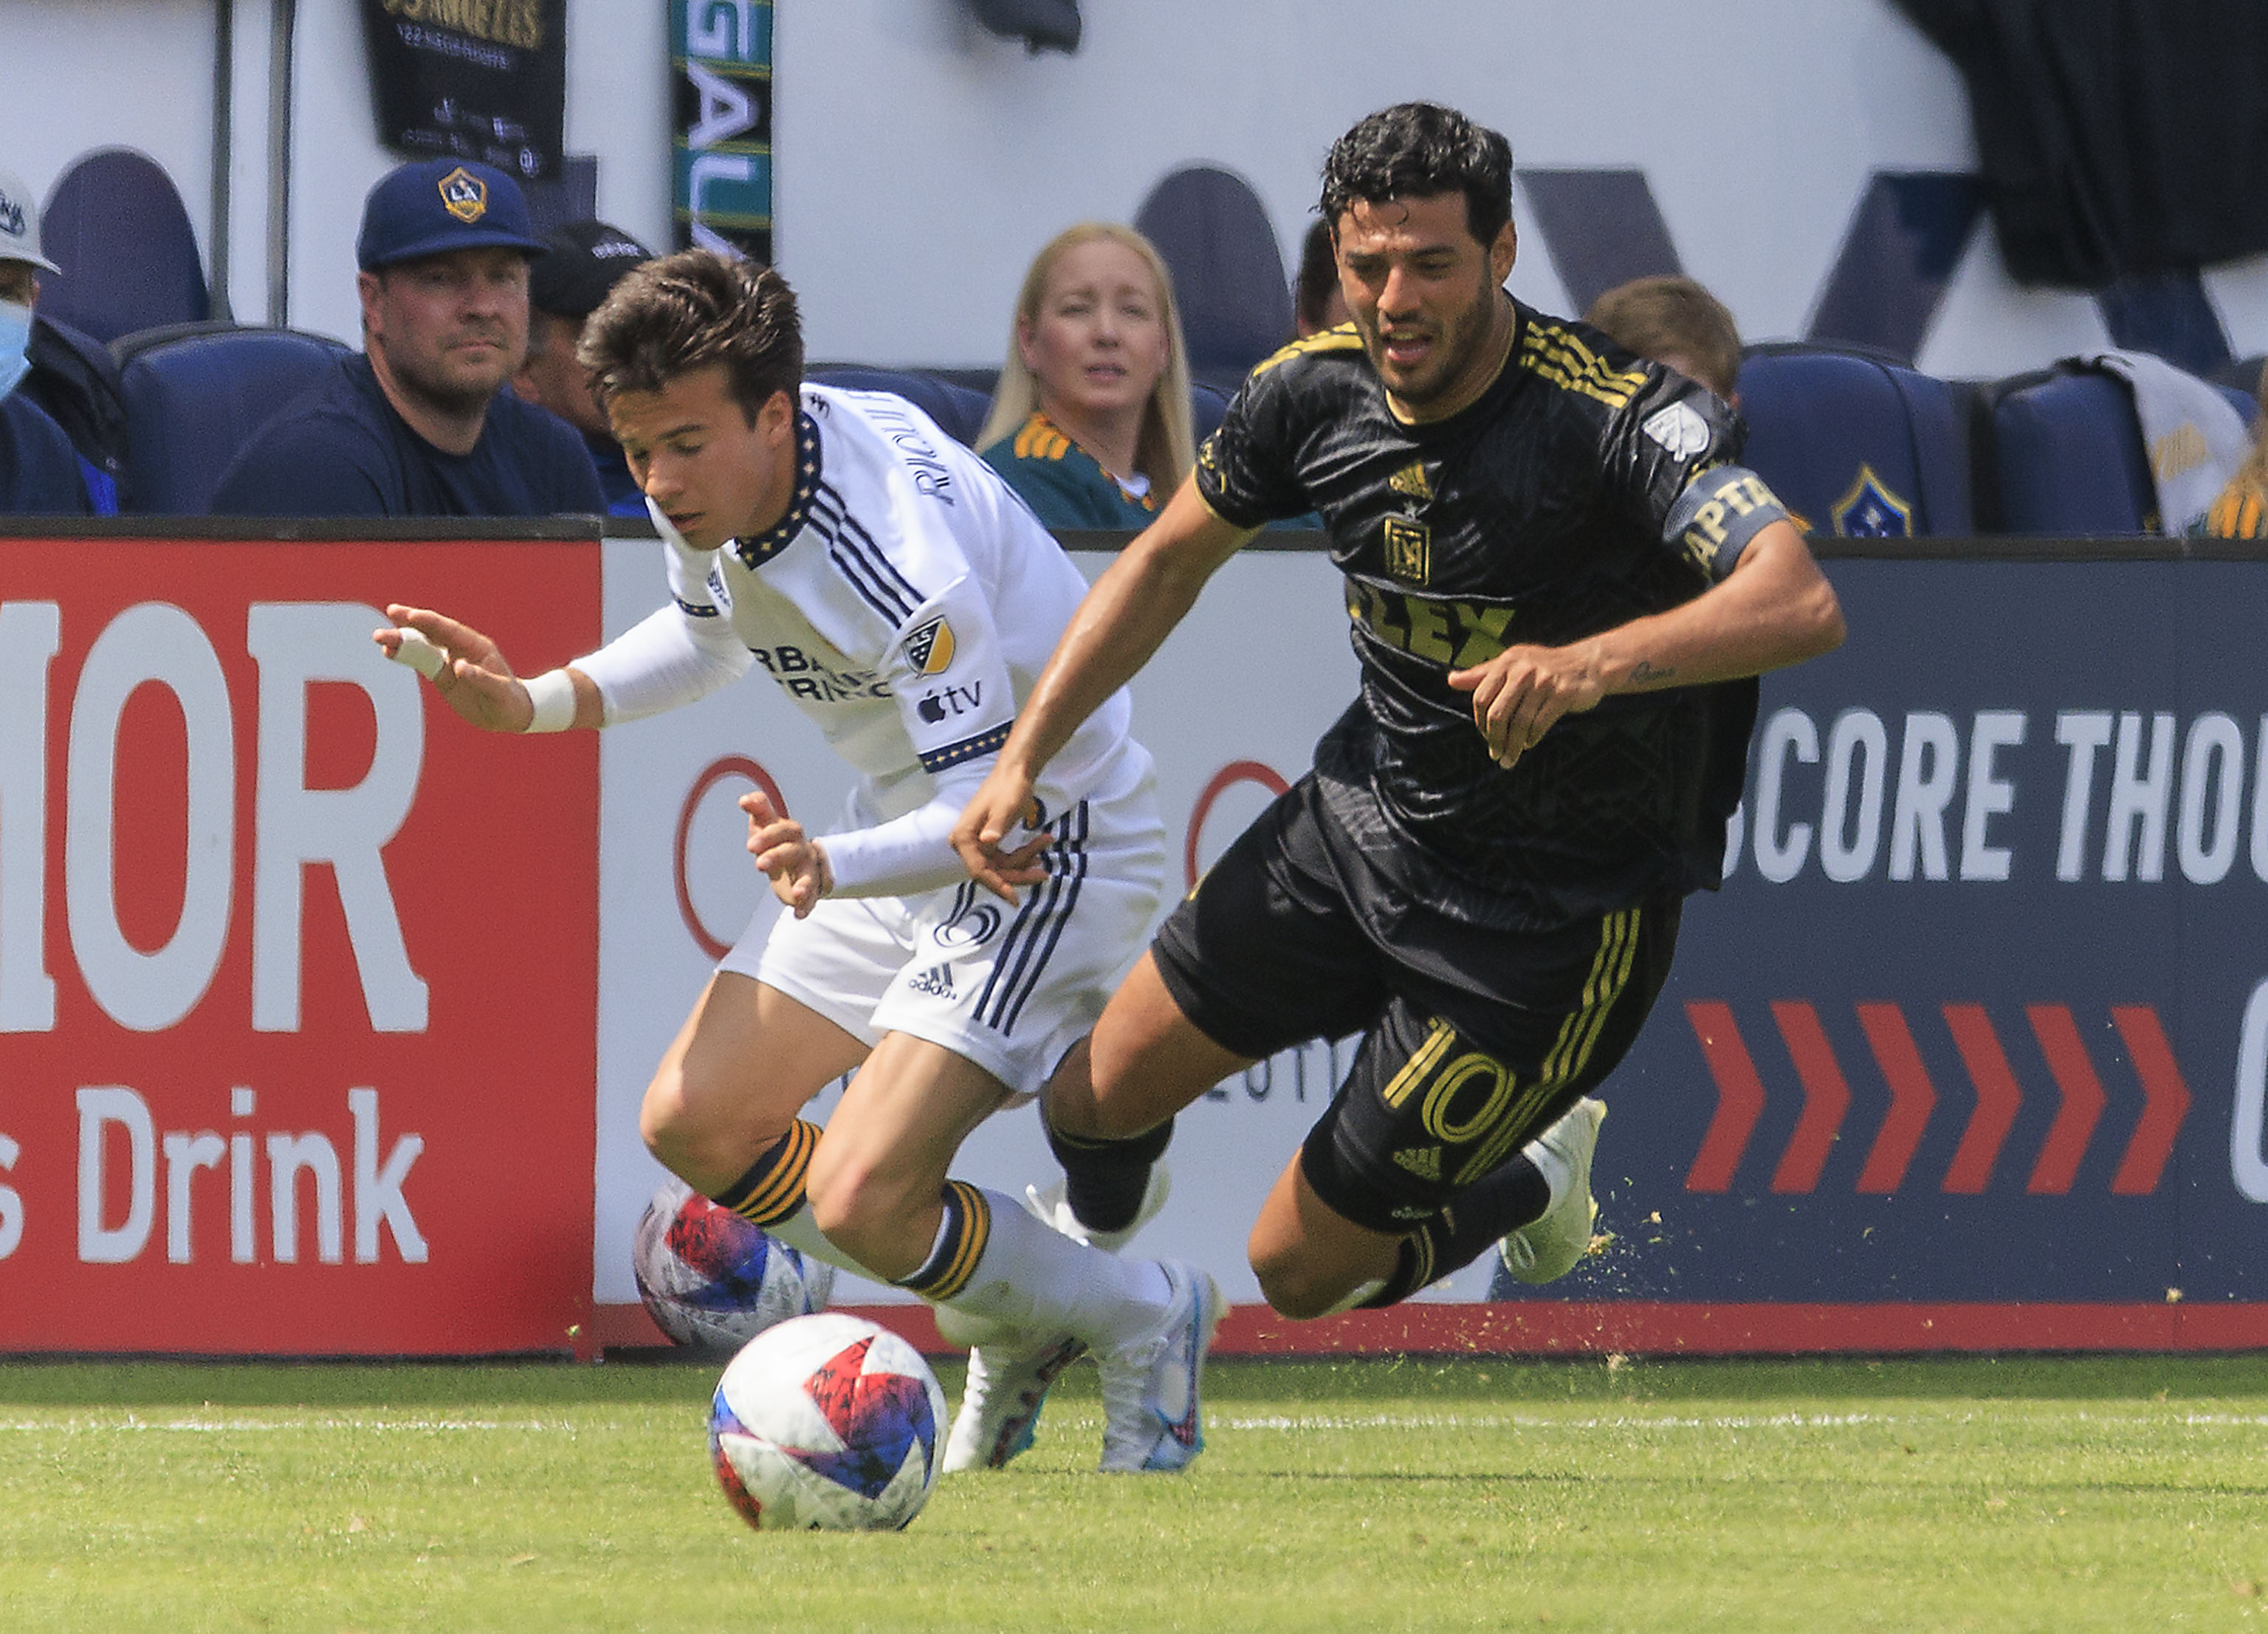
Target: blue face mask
[(15, 335)]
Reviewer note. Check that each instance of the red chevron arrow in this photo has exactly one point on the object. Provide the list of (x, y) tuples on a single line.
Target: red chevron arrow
[(1740, 1096), (1912, 1098), (1998, 1097), (2083, 1100), (1826, 1097), (2165, 1101)]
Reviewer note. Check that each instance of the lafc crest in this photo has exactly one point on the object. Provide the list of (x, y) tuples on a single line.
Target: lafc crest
[(930, 648), (1408, 549)]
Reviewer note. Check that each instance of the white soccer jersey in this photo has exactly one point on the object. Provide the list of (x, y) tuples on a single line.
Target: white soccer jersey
[(907, 602)]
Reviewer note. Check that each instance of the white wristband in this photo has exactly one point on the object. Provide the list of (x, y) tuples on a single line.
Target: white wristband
[(553, 695)]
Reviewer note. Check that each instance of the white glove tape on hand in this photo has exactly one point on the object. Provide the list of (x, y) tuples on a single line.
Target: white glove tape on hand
[(420, 654)]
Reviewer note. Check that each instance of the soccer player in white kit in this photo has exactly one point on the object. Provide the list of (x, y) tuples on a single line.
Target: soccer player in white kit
[(905, 599)]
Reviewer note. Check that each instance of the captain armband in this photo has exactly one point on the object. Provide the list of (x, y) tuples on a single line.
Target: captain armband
[(1720, 510)]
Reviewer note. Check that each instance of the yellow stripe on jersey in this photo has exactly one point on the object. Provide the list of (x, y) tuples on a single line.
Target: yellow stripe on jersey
[(1554, 354), (1040, 440), (1342, 339)]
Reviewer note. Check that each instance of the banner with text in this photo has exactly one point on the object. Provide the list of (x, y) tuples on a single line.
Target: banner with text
[(297, 970)]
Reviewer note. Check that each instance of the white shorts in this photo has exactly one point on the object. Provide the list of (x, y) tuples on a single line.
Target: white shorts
[(1010, 988)]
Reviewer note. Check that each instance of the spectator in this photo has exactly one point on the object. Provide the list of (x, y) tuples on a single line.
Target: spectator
[(418, 423), (563, 288), (39, 468), (1317, 302), (2242, 511), (1091, 422), (1672, 321)]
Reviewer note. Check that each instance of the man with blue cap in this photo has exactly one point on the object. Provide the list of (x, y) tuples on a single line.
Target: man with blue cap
[(39, 468), (418, 424)]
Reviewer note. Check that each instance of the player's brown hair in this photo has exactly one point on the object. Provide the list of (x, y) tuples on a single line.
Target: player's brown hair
[(1668, 316), (688, 311)]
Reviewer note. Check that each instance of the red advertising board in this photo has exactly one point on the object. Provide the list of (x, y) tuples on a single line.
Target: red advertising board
[(297, 971)]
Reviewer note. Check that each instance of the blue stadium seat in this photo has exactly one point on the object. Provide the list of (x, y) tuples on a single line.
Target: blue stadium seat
[(1208, 406), (1213, 234), (195, 394), (959, 410), (2068, 457), (116, 226), (1857, 445)]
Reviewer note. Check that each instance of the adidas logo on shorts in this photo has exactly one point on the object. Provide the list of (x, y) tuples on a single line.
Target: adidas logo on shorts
[(937, 982), (1423, 1161)]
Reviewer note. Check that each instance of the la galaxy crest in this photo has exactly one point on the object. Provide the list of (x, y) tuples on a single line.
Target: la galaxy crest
[(1871, 510), (464, 194), (930, 648)]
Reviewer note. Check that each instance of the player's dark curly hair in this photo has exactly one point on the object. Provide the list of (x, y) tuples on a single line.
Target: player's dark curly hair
[(690, 310), (1419, 149)]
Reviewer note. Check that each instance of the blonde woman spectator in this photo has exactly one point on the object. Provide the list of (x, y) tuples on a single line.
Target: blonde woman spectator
[(2242, 511), (1091, 422)]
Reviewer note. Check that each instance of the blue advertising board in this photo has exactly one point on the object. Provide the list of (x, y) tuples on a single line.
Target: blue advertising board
[(1971, 1049)]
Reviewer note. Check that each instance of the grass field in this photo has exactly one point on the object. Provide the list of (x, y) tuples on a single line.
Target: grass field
[(1938, 1494)]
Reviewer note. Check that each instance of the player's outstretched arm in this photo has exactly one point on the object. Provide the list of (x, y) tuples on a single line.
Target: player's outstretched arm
[(469, 672), (1112, 634), (1773, 609)]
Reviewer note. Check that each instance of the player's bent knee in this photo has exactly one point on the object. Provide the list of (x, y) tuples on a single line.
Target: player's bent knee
[(1293, 1288)]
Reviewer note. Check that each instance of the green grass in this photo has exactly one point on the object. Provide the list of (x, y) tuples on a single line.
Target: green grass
[(1991, 1494)]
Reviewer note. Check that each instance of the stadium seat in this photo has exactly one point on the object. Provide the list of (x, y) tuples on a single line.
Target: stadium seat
[(116, 226), (958, 410), (2067, 457), (1856, 444), (195, 394), (1208, 406), (1228, 272)]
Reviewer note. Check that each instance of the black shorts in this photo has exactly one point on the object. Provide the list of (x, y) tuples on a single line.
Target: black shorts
[(1475, 1040)]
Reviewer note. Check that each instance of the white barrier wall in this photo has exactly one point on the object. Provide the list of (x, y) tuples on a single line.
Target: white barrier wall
[(1247, 682)]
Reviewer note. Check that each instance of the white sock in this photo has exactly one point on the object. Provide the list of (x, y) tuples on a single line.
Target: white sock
[(1035, 1280)]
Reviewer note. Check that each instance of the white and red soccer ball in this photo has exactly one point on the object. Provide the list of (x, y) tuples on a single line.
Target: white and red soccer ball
[(710, 1280), (828, 1423)]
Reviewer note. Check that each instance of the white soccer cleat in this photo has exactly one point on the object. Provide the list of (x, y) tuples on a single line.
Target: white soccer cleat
[(1150, 1388), (1052, 1209), (1553, 1243), (1000, 1403)]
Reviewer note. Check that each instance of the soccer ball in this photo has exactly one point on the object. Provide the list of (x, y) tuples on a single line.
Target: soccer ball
[(827, 1422), (712, 1281)]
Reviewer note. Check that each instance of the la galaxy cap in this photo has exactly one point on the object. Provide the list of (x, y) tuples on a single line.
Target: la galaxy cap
[(587, 259), (437, 205), (19, 222)]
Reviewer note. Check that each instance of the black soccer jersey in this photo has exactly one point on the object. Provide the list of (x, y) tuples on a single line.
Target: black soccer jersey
[(1537, 514)]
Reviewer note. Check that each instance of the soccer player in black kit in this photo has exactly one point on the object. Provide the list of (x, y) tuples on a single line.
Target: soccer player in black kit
[(1561, 587)]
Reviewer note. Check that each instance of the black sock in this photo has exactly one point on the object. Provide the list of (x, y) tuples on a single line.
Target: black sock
[(1105, 1179), (1498, 1204)]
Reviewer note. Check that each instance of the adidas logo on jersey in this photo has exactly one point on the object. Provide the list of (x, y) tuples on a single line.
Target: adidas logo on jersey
[(936, 981), (1423, 1161), (1411, 479)]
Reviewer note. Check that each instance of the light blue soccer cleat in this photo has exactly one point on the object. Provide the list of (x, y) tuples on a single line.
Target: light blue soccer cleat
[(1000, 1403), (1555, 1242), (1150, 1388)]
